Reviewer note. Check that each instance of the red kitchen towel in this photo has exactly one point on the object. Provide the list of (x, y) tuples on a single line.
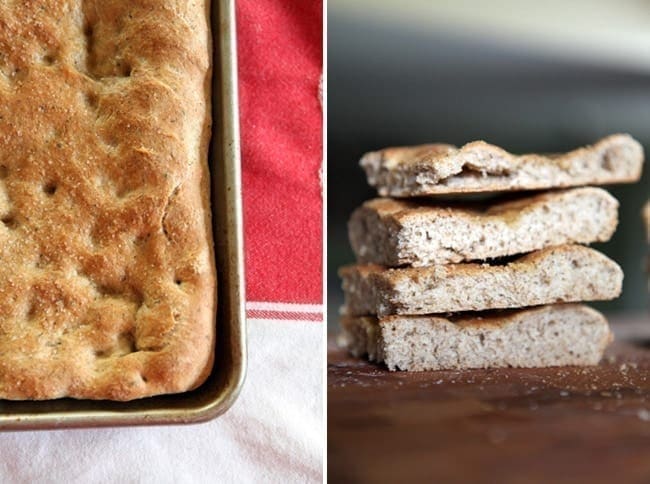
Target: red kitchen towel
[(280, 70)]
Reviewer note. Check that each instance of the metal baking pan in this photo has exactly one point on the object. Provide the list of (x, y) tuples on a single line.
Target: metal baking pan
[(219, 392)]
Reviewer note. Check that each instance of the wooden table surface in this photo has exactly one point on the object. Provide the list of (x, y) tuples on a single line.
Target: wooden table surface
[(563, 424)]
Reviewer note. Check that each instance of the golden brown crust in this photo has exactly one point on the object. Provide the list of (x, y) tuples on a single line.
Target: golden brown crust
[(107, 283)]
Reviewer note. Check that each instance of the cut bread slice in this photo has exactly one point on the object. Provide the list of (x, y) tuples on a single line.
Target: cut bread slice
[(399, 232), (568, 273), (556, 335), (480, 167)]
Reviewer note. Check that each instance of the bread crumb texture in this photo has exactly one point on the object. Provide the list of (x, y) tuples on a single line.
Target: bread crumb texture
[(556, 335), (419, 233), (479, 166), (567, 273), (107, 284)]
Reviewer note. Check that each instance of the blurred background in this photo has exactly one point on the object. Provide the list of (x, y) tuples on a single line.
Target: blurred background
[(527, 76)]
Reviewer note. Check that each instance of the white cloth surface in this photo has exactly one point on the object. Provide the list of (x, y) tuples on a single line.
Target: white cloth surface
[(273, 433)]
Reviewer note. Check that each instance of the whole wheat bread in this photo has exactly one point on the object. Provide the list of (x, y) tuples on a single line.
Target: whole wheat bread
[(568, 273), (399, 232), (107, 271), (480, 167), (556, 335)]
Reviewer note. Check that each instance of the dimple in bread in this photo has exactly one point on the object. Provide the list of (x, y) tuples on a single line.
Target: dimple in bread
[(482, 167), (556, 335), (399, 232), (568, 273), (107, 280)]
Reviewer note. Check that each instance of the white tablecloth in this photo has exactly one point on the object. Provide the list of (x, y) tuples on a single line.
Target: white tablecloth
[(273, 433)]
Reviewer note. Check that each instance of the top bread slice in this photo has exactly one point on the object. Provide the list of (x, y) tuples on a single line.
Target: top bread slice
[(107, 274), (399, 232), (482, 167)]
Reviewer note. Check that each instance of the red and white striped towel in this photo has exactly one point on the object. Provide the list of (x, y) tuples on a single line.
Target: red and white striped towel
[(280, 58), (278, 311)]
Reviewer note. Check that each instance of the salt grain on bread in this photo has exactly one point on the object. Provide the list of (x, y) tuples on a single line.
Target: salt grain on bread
[(556, 335), (568, 273), (419, 233), (482, 167)]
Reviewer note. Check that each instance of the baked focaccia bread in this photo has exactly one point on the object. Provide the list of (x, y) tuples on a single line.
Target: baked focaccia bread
[(107, 279), (411, 171), (419, 233), (544, 336), (565, 273)]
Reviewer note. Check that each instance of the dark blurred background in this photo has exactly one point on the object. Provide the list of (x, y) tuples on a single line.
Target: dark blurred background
[(527, 76)]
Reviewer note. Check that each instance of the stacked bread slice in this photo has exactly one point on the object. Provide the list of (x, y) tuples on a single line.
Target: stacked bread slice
[(452, 285)]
